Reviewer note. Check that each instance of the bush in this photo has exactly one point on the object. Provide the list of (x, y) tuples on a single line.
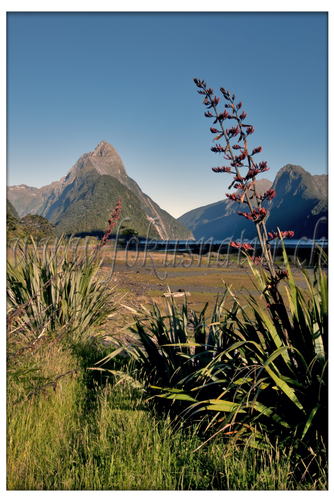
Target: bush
[(57, 290)]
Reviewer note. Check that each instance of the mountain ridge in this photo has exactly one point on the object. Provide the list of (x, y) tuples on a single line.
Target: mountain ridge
[(301, 201), (50, 200)]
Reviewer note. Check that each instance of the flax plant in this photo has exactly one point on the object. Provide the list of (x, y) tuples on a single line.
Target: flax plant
[(279, 377), (58, 287), (54, 295), (56, 290), (167, 347), (248, 373), (240, 156)]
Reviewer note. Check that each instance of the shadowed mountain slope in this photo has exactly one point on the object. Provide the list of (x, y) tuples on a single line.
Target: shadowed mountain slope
[(301, 205)]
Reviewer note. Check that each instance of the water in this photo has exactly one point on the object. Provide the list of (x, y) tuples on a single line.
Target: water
[(186, 245)]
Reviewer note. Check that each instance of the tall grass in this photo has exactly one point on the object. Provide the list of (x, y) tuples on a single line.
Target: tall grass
[(103, 435), (73, 427)]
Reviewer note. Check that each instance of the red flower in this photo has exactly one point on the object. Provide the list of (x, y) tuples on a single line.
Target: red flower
[(251, 173), (248, 216), (234, 196), (256, 260), (250, 130), (217, 149), (199, 83), (237, 245), (257, 150), (269, 194), (241, 157), (256, 215), (234, 131), (221, 169), (112, 222), (288, 234)]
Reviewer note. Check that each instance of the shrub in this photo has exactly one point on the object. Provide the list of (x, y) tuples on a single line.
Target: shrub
[(57, 290)]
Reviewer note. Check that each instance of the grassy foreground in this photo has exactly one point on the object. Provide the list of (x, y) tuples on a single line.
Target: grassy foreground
[(95, 434), (70, 427)]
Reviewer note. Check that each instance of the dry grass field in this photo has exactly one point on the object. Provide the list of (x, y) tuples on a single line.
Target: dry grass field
[(142, 279)]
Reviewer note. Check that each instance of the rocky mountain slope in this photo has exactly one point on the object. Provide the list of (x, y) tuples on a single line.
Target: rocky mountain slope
[(81, 201), (299, 205)]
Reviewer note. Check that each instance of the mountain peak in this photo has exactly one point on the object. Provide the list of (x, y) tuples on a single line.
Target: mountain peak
[(104, 149), (293, 170), (106, 160), (295, 179)]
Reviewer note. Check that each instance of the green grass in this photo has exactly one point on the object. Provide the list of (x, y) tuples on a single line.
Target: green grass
[(72, 428), (94, 434)]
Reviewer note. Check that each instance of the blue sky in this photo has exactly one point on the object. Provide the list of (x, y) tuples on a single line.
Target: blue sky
[(74, 79)]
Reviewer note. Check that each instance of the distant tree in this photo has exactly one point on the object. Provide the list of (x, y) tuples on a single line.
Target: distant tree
[(129, 232), (12, 222), (37, 226)]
